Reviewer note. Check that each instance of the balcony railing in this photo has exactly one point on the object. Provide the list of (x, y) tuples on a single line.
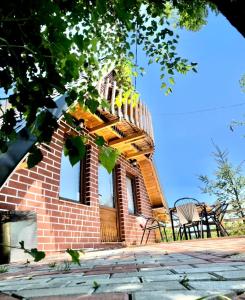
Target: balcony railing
[(135, 113)]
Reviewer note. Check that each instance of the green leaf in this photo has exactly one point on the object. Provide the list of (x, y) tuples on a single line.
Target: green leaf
[(105, 104), (171, 80), (108, 157), (99, 141), (75, 148), (34, 157), (169, 91), (96, 285), (92, 105), (163, 85), (74, 256), (37, 255)]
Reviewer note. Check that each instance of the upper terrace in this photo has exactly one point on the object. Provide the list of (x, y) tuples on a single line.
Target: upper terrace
[(127, 127)]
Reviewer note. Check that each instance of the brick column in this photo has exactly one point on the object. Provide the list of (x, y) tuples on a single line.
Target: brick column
[(122, 199)]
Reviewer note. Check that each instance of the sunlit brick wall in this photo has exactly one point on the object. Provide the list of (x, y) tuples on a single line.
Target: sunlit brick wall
[(65, 224)]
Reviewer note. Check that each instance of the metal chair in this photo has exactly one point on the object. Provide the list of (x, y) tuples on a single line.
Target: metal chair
[(150, 223), (215, 217), (189, 217)]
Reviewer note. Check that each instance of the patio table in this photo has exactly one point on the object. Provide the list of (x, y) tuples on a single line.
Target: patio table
[(202, 208)]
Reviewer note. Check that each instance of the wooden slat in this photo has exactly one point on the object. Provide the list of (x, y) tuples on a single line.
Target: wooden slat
[(131, 112), (114, 87), (108, 225), (125, 109), (104, 125), (140, 153), (152, 183), (106, 89), (127, 139), (120, 107), (136, 112)]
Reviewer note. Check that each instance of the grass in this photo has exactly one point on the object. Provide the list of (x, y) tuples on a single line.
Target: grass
[(3, 269)]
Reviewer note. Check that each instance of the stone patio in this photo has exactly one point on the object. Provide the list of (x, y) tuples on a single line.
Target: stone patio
[(178, 270)]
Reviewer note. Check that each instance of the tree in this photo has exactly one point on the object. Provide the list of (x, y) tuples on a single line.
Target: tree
[(49, 47), (228, 183)]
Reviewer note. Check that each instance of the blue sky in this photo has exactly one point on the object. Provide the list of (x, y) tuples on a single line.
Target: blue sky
[(183, 139)]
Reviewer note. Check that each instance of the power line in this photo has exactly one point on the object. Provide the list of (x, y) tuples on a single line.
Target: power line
[(202, 110)]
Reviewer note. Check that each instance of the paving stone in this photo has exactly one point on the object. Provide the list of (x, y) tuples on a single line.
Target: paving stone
[(87, 281), (22, 281), (232, 274), (90, 278), (178, 277), (131, 287), (179, 267), (121, 275), (177, 295), (56, 291), (218, 285), (206, 269), (107, 296)]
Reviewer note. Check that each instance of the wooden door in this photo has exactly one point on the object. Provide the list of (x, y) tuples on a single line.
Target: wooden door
[(108, 207)]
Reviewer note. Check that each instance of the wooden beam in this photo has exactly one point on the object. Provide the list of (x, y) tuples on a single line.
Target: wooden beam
[(134, 155), (127, 139), (104, 125)]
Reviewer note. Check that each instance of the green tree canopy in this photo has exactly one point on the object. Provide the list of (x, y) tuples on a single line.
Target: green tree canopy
[(60, 46), (228, 182)]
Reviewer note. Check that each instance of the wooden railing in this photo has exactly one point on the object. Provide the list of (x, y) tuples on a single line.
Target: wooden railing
[(135, 113)]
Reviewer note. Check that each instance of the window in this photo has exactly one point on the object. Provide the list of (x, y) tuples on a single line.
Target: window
[(131, 195), (70, 180), (106, 192)]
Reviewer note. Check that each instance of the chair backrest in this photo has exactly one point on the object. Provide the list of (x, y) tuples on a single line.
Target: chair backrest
[(141, 220), (187, 210), (220, 210)]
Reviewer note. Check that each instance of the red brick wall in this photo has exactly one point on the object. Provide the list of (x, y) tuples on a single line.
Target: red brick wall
[(64, 224)]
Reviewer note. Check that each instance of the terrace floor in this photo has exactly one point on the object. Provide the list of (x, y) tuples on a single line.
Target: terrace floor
[(178, 270)]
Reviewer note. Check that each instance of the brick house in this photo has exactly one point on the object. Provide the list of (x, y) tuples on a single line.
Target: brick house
[(84, 206)]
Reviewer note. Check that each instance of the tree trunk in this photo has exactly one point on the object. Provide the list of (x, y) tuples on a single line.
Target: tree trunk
[(234, 11)]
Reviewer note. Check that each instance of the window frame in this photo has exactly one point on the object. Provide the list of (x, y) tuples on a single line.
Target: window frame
[(81, 187), (133, 184), (114, 188)]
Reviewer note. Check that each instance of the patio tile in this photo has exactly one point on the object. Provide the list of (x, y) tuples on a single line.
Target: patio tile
[(78, 290), (218, 285), (108, 296), (178, 277), (177, 295), (232, 274), (206, 269)]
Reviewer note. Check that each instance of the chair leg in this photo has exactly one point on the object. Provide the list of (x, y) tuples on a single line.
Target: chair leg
[(142, 236), (166, 237), (162, 238), (147, 236), (189, 232)]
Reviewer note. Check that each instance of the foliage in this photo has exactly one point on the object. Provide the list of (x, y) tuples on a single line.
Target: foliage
[(235, 228), (96, 285), (52, 265), (75, 255), (3, 269), (235, 124), (242, 83), (64, 267), (228, 183), (184, 281), (36, 254), (49, 47), (124, 73), (108, 157)]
